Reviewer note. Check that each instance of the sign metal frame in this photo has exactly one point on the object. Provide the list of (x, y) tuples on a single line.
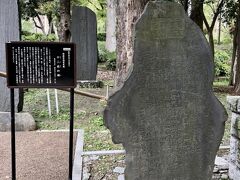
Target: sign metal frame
[(12, 100), (55, 46)]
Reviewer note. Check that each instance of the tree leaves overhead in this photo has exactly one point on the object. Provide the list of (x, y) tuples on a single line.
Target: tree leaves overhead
[(31, 8), (230, 11)]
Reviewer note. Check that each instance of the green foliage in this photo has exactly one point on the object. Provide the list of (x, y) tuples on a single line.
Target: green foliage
[(40, 113), (97, 121), (221, 82), (111, 61), (230, 11), (33, 8), (29, 8), (108, 57), (222, 63), (37, 37), (102, 56), (64, 115), (101, 36)]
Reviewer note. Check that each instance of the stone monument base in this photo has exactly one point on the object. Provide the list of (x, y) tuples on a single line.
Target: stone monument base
[(90, 84), (234, 157), (23, 122)]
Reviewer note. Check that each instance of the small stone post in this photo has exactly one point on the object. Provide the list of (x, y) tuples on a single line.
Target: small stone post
[(234, 158)]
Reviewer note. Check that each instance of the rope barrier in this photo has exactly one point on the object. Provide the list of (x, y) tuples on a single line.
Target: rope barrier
[(91, 95)]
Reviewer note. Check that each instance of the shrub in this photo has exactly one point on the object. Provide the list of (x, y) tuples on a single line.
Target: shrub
[(109, 58), (101, 36), (222, 63), (101, 52), (111, 61), (104, 56), (38, 37)]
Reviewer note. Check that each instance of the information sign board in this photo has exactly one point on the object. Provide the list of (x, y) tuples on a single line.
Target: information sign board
[(41, 65)]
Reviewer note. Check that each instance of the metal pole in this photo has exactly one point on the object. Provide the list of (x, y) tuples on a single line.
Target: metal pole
[(56, 101), (71, 133), (107, 94), (49, 103), (13, 141)]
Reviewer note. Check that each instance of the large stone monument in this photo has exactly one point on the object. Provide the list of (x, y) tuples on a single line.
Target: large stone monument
[(165, 114), (9, 31), (84, 34)]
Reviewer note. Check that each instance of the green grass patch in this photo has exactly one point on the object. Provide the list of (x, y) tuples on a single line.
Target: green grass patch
[(221, 82), (88, 116)]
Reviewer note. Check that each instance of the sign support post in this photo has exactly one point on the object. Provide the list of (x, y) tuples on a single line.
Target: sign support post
[(71, 127), (13, 137)]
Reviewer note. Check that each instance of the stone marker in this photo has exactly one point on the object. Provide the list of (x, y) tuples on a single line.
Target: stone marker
[(84, 34), (165, 114), (24, 122), (234, 157), (9, 31)]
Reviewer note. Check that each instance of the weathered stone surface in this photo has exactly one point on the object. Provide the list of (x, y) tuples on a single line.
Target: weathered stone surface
[(234, 157), (119, 170), (90, 84), (165, 114), (23, 122), (84, 34), (9, 31), (233, 103), (221, 163), (121, 177)]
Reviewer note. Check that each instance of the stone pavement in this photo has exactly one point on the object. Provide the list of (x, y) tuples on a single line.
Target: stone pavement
[(220, 171)]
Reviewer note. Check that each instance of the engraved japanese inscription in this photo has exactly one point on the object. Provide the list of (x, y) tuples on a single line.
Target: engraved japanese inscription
[(84, 34), (40, 64), (165, 114)]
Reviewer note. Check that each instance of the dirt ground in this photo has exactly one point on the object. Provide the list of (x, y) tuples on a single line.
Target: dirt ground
[(39, 155)]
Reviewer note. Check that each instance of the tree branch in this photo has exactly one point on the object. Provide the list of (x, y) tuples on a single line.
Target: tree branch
[(219, 8), (94, 5), (35, 23), (206, 22), (41, 24)]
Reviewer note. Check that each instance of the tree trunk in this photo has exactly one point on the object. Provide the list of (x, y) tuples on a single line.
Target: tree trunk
[(127, 11), (185, 5), (234, 53), (197, 12), (50, 22), (42, 27), (219, 28), (211, 41), (111, 26), (64, 26), (237, 82)]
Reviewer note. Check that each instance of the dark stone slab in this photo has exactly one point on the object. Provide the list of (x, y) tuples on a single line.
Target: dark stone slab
[(9, 31), (84, 34), (165, 114)]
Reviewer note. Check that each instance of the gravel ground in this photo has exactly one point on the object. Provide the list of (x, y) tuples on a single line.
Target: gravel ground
[(39, 155)]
